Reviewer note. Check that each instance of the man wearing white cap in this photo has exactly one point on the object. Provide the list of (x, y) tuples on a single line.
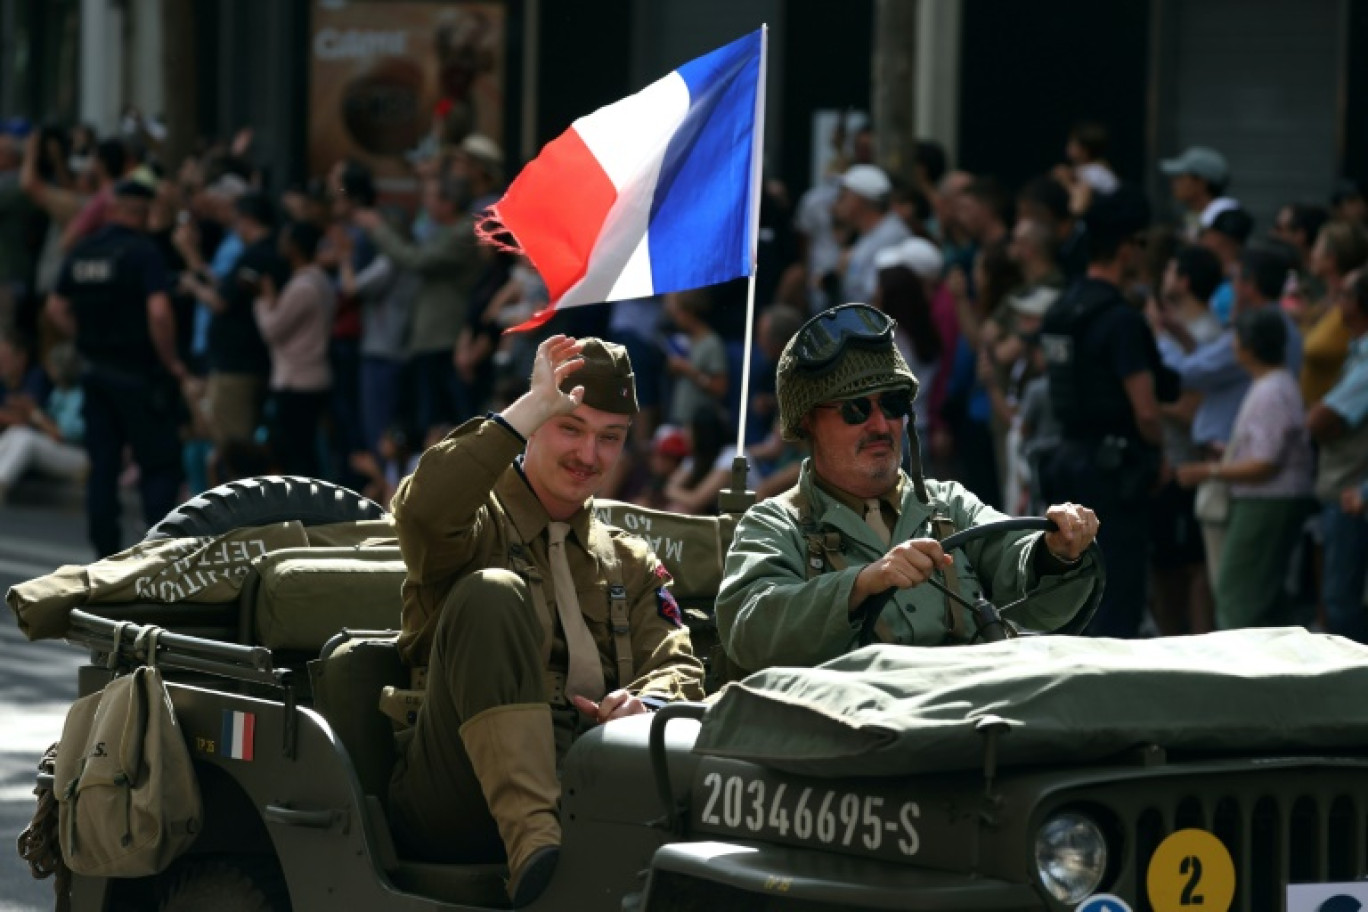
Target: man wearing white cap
[(862, 206), (1198, 179)]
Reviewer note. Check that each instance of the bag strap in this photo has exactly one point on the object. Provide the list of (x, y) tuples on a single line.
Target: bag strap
[(825, 547), (135, 721)]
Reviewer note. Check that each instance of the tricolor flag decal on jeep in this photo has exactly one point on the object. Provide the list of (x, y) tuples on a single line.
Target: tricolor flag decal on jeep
[(239, 731)]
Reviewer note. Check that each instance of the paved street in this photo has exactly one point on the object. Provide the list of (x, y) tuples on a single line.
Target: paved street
[(37, 682)]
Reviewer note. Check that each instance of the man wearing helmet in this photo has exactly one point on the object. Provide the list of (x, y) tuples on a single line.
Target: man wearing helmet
[(805, 566)]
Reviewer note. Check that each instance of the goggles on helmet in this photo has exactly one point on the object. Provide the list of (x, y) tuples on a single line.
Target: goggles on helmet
[(825, 337), (895, 404)]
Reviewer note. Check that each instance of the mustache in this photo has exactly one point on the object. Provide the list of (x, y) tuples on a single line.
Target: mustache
[(576, 466), (876, 438)]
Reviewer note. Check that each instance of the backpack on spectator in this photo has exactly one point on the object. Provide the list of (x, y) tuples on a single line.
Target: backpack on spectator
[(128, 800)]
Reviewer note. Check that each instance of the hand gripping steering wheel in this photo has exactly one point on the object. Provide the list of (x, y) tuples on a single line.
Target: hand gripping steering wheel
[(988, 615)]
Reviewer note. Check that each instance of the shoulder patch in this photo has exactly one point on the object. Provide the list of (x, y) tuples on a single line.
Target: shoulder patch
[(668, 608)]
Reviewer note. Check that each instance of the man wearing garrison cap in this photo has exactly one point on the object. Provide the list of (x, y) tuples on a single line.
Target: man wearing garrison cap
[(534, 620)]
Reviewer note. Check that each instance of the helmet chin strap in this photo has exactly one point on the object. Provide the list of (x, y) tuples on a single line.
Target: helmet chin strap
[(914, 457)]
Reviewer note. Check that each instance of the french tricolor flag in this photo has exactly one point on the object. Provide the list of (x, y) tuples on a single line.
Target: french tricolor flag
[(238, 737), (658, 192)]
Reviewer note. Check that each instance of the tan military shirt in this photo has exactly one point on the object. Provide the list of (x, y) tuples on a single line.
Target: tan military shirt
[(467, 507)]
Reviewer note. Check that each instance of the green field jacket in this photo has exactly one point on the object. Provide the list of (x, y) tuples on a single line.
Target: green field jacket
[(773, 610)]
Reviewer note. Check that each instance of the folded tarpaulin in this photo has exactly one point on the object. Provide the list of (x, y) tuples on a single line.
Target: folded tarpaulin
[(899, 710), (203, 570)]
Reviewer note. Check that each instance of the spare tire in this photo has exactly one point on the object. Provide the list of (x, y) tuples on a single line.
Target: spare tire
[(262, 501)]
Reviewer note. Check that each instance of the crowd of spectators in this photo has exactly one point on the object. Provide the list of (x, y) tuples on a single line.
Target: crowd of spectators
[(334, 331)]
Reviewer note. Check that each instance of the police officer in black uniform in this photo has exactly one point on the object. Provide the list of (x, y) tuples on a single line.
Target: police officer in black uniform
[(112, 297), (1106, 381)]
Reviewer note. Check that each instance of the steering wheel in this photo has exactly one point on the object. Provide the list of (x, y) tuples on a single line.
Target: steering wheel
[(985, 610)]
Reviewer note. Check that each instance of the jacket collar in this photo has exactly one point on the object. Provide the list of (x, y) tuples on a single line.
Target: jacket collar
[(828, 510), (526, 512)]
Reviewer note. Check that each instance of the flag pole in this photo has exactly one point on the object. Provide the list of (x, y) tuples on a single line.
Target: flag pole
[(738, 499)]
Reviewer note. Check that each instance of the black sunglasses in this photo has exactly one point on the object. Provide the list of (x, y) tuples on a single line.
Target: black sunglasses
[(824, 338), (894, 404)]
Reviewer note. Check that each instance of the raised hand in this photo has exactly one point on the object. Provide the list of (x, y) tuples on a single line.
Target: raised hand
[(557, 358)]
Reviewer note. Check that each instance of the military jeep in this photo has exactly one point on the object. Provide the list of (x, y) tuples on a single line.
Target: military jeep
[(1041, 772)]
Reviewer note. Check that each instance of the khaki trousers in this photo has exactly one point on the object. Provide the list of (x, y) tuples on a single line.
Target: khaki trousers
[(486, 652), (234, 405)]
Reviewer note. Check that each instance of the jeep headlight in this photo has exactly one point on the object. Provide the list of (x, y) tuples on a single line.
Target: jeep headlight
[(1071, 856)]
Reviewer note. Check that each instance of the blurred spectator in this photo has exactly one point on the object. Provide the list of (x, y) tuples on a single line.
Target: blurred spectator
[(1348, 203), (929, 164), (668, 448), (701, 476), (238, 361), (383, 469), (902, 295), (984, 212), (909, 204), (1212, 370), (108, 165), (47, 180), (1182, 600), (818, 242), (17, 213), (478, 160), (862, 207), (385, 294), (23, 383), (307, 202), (700, 371), (353, 188), (206, 225), (1040, 432), (446, 265), (1032, 249), (1198, 179), (1341, 248), (1339, 423), (773, 328), (1298, 224), (635, 324), (956, 244), (1006, 365), (296, 323), (112, 299), (1045, 201), (968, 408), (1226, 237), (1267, 465), (51, 442), (1106, 383), (1086, 153)]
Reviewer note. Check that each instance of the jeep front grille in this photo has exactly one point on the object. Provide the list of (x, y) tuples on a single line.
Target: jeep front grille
[(1300, 825)]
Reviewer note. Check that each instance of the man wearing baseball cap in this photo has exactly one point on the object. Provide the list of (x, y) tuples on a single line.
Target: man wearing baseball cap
[(862, 206), (534, 620), (806, 566), (1198, 179)]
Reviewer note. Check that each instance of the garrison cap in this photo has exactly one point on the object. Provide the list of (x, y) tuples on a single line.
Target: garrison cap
[(607, 378)]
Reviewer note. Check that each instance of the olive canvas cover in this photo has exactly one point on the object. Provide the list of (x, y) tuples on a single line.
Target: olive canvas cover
[(899, 710)]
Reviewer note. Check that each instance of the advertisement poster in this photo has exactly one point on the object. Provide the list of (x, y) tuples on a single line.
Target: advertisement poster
[(380, 70)]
